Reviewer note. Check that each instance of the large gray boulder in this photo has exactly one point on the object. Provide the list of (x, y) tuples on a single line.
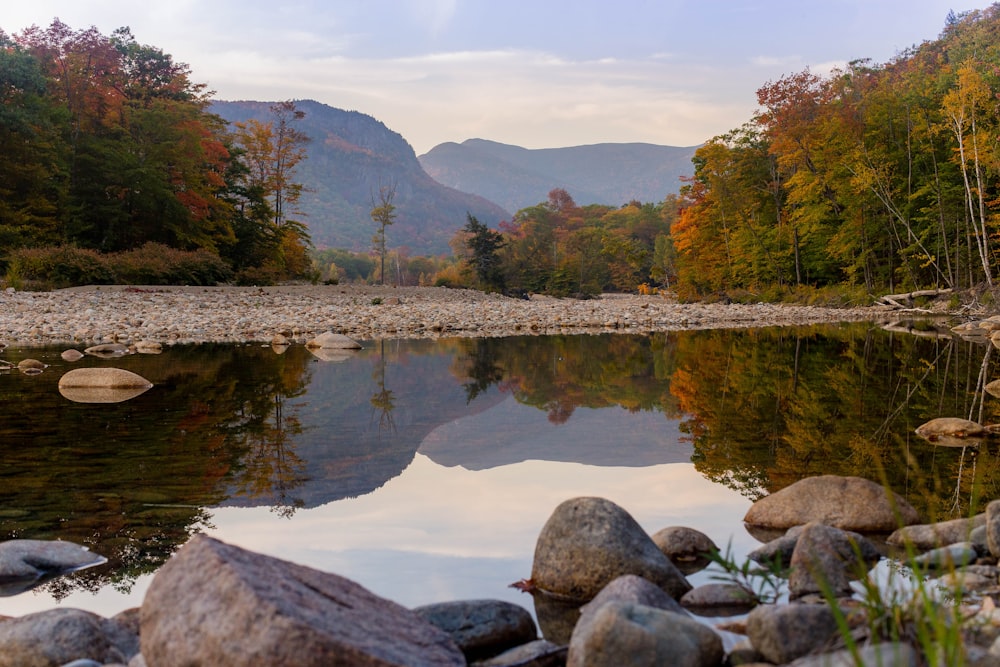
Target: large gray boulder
[(59, 636), (786, 632), (849, 503), (481, 628), (827, 559), (621, 634), (588, 542), (217, 604), (931, 535)]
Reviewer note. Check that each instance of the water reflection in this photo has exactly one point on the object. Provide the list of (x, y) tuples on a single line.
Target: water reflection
[(229, 428)]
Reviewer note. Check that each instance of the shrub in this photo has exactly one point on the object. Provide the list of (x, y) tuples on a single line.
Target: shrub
[(55, 267)]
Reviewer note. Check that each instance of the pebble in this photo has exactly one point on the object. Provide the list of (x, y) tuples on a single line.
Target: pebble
[(251, 314)]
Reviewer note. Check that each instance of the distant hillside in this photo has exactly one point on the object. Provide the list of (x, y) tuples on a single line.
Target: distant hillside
[(349, 155), (516, 177)]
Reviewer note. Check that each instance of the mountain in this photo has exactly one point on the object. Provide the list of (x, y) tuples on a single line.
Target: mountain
[(350, 154), (516, 177)]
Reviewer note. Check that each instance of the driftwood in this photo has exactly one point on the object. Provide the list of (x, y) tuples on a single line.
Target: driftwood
[(895, 300), (909, 328)]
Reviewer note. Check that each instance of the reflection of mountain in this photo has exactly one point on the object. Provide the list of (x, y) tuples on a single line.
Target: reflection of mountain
[(347, 448), (511, 432)]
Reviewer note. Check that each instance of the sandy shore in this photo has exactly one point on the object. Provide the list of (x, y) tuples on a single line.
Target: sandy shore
[(242, 314)]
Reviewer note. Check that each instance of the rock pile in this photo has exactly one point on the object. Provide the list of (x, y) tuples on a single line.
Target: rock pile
[(169, 315), (218, 604)]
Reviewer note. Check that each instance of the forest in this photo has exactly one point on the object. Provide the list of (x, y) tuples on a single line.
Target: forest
[(872, 179), (114, 169)]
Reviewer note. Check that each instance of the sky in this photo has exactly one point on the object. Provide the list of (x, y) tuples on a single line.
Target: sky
[(533, 73)]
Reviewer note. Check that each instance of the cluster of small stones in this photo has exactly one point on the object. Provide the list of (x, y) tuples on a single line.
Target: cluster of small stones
[(248, 314)]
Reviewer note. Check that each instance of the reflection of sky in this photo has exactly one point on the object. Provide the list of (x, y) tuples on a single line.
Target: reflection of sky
[(437, 533)]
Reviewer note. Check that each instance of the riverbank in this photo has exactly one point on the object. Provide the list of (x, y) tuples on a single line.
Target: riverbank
[(247, 314)]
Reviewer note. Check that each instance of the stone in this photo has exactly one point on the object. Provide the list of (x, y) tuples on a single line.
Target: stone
[(849, 503), (622, 634), (949, 557), (719, 599), (993, 528), (885, 654), (102, 385), (279, 340), (826, 560), (636, 590), (538, 653), (217, 604), (777, 551), (71, 355), (107, 350), (687, 548), (332, 341), (59, 636), (26, 563), (30, 364), (944, 428), (481, 628), (587, 542), (930, 535), (785, 632), (148, 347)]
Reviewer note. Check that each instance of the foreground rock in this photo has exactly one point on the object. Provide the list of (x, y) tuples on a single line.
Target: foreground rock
[(481, 628), (60, 636), (216, 604), (102, 385), (849, 503), (588, 542)]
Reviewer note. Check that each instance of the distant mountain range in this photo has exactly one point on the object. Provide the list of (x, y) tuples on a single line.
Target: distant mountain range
[(351, 154), (517, 178)]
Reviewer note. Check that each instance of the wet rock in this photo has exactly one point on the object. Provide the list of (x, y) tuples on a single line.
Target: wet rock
[(71, 355), (148, 347), (102, 385), (108, 350), (59, 636), (30, 365), (719, 599), (636, 590), (538, 653), (993, 528), (779, 550), (332, 341), (786, 632), (827, 559), (849, 503), (481, 628), (27, 563), (217, 604), (885, 654), (588, 542), (279, 340), (556, 616), (930, 535), (950, 426), (623, 634), (687, 548), (951, 556)]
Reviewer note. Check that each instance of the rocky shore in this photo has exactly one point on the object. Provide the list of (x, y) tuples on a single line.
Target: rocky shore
[(242, 314)]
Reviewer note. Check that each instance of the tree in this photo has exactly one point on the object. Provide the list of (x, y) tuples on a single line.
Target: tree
[(485, 243), (383, 214)]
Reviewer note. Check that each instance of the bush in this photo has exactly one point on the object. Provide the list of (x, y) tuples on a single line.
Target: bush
[(57, 267)]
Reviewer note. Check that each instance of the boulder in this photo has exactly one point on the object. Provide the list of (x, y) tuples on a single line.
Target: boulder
[(539, 653), (481, 628), (850, 503), (930, 535), (27, 563), (588, 542), (59, 636), (217, 604), (636, 590), (993, 528), (827, 559), (148, 347), (687, 548), (884, 654), (623, 634), (30, 365), (108, 350), (332, 341), (71, 355), (719, 599), (786, 632), (102, 385), (950, 430)]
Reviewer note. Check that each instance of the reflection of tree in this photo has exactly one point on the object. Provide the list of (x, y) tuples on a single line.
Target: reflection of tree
[(382, 401)]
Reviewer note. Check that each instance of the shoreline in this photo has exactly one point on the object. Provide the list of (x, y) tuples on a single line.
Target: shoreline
[(174, 315)]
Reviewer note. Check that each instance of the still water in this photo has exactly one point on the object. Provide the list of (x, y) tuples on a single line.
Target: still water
[(424, 470)]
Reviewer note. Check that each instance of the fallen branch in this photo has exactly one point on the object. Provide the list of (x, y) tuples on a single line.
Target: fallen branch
[(895, 299)]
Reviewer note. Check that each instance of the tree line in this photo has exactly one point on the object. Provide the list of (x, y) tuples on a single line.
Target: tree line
[(882, 177), (109, 147)]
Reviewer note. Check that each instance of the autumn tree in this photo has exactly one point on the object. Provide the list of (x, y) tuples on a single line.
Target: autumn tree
[(484, 245), (383, 214)]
